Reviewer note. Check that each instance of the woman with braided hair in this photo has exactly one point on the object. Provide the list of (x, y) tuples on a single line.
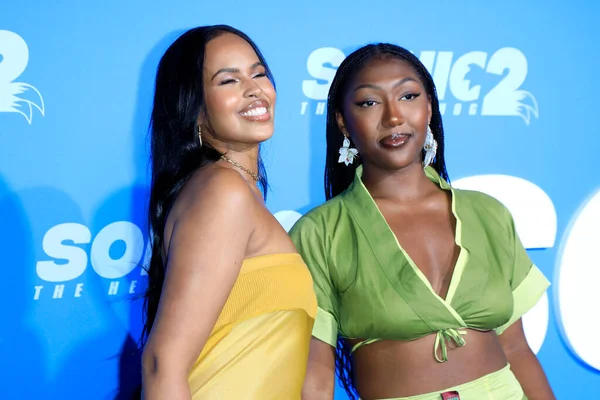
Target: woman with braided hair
[(421, 287)]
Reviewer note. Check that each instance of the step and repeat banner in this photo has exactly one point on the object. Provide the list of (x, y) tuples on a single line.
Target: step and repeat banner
[(517, 83)]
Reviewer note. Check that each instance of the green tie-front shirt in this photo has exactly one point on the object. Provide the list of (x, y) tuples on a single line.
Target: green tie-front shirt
[(368, 287)]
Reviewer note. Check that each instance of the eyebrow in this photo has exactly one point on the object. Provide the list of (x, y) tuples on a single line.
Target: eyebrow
[(376, 87), (235, 70)]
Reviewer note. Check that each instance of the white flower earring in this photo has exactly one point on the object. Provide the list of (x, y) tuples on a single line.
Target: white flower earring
[(347, 154), (199, 130), (430, 148)]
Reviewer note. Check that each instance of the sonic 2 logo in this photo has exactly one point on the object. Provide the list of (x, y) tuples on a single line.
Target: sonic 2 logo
[(452, 74), (16, 97)]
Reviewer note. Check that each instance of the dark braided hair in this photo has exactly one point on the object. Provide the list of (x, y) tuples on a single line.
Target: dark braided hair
[(339, 176)]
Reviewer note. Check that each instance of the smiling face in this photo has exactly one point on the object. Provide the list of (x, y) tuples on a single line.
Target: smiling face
[(239, 97), (386, 111)]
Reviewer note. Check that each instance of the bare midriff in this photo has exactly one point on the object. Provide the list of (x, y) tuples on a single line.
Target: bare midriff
[(392, 368)]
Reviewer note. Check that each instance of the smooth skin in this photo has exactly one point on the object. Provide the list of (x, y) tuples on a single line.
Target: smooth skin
[(388, 97)]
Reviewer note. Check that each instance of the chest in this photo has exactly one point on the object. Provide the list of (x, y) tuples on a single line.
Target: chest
[(409, 273), (426, 234)]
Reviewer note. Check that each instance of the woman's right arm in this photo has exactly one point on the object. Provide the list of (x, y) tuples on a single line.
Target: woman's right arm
[(319, 383), (208, 244), (320, 374)]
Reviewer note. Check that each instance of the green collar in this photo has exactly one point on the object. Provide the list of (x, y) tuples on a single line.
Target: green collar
[(429, 171)]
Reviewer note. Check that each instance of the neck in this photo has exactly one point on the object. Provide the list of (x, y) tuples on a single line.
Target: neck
[(248, 160), (250, 172), (242, 153), (405, 184)]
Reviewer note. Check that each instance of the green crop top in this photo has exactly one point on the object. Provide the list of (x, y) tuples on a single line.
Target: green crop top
[(368, 287)]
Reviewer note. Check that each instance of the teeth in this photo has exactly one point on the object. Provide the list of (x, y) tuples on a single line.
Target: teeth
[(255, 112)]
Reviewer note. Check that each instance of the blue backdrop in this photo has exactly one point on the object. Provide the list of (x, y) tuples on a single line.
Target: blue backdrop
[(517, 82)]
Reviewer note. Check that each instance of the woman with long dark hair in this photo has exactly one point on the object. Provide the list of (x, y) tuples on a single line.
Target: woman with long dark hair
[(230, 305), (421, 287)]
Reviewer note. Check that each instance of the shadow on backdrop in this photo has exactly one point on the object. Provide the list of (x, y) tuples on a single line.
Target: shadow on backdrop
[(120, 308), (65, 317), (22, 357), (55, 316), (130, 362)]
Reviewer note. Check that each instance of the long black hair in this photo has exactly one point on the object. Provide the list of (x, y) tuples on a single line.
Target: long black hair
[(176, 151), (339, 176)]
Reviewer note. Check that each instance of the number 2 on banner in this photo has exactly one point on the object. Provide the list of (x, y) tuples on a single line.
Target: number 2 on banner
[(506, 98), (16, 97)]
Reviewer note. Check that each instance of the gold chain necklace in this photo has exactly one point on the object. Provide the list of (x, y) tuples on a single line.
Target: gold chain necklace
[(236, 164)]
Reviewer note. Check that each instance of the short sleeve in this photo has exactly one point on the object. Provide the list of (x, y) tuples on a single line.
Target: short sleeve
[(528, 283), (310, 243)]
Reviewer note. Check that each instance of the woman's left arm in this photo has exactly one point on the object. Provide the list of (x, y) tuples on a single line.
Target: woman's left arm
[(524, 363)]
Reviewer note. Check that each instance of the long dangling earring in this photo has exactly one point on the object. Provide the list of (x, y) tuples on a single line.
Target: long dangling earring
[(347, 154), (430, 148), (200, 134)]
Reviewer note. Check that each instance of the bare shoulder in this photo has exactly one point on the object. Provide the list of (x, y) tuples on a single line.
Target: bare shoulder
[(214, 196), (217, 188)]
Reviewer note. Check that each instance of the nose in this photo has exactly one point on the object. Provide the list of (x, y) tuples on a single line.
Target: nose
[(392, 114), (253, 89)]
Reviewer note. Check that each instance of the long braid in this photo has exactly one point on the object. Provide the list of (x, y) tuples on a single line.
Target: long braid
[(343, 369)]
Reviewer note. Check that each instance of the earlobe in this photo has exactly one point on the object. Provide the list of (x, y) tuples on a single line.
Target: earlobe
[(200, 121), (202, 118)]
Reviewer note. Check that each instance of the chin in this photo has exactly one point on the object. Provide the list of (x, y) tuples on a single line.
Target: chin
[(261, 136), (396, 163)]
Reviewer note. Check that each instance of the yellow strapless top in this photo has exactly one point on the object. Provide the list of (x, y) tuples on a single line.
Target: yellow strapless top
[(258, 348)]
